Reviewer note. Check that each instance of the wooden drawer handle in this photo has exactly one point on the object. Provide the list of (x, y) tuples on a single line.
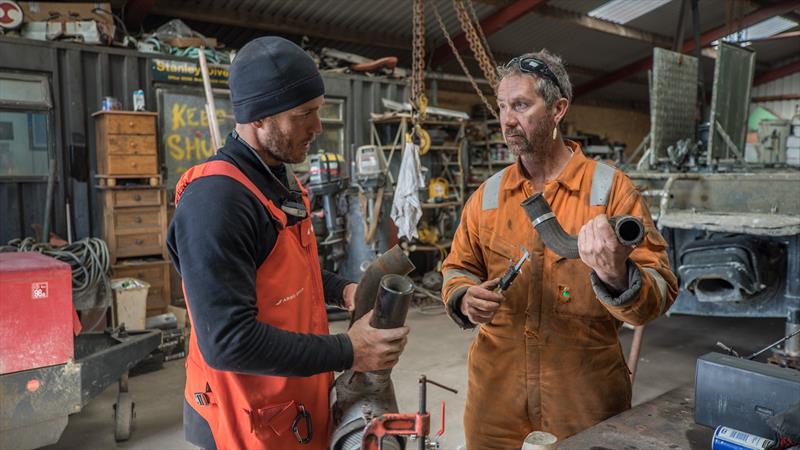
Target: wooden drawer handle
[(134, 144), (137, 197), (137, 219), (130, 124), (138, 242), (133, 164)]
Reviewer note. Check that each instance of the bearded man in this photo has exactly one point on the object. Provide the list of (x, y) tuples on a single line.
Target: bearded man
[(547, 355)]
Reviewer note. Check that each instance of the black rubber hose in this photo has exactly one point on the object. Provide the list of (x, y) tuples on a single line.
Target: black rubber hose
[(629, 229), (392, 302)]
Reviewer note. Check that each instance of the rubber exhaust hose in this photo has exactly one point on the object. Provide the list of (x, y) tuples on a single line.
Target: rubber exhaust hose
[(628, 229)]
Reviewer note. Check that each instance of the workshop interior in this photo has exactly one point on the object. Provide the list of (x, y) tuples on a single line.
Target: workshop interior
[(110, 110)]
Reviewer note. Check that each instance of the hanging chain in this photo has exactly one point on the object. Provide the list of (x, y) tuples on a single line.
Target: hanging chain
[(461, 61), (475, 43), (418, 99), (477, 23)]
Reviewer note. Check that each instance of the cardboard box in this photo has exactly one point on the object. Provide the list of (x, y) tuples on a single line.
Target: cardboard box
[(71, 13), (183, 42)]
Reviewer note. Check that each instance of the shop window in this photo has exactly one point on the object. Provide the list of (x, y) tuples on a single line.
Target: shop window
[(24, 125), (332, 116)]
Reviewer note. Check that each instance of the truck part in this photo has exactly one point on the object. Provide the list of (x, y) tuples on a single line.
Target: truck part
[(724, 269), (628, 229)]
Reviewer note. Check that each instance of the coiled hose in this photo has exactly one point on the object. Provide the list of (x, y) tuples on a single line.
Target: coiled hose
[(87, 257), (629, 229)]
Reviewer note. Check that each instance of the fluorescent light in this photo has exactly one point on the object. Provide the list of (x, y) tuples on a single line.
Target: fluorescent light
[(623, 11), (767, 28)]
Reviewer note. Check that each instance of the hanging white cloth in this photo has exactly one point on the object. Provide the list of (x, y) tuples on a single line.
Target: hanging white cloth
[(406, 208)]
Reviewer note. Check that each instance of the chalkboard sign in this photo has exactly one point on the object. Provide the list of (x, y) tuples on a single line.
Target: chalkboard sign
[(185, 138)]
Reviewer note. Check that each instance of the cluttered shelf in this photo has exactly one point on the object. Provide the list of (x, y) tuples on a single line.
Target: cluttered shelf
[(413, 247), (432, 205), (492, 163)]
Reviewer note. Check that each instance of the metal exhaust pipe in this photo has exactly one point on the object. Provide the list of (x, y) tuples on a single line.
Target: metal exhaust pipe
[(361, 396)]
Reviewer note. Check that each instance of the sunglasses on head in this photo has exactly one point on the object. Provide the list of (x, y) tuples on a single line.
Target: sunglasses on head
[(535, 66)]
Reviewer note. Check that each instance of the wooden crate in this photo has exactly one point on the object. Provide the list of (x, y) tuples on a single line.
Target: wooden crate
[(126, 143), (135, 221), (153, 271)]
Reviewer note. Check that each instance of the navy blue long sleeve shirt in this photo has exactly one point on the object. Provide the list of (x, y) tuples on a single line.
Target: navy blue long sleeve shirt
[(218, 238)]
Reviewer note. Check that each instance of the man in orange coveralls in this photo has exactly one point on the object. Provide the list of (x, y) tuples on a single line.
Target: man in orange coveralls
[(547, 354)]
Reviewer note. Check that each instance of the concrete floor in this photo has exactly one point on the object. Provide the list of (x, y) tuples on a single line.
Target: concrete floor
[(436, 348)]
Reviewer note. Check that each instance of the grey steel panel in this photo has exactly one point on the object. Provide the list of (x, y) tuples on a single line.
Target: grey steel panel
[(730, 102), (672, 101), (741, 394)]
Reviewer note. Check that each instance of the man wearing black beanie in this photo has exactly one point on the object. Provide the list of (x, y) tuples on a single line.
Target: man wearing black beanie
[(260, 361)]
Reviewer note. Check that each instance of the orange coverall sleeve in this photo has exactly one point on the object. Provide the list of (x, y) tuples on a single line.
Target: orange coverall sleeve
[(464, 266), (653, 286)]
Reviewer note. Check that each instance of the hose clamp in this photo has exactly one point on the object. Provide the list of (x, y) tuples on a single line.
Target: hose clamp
[(543, 218)]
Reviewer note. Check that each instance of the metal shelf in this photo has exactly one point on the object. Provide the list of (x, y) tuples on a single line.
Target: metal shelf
[(431, 205)]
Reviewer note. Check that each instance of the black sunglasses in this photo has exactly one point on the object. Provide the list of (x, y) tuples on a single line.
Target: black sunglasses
[(535, 66)]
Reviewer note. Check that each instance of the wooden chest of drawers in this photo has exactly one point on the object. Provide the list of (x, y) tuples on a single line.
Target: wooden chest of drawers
[(126, 143), (135, 221), (154, 272)]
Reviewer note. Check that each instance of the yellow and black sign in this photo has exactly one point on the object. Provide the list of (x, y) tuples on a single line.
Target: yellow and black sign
[(187, 73)]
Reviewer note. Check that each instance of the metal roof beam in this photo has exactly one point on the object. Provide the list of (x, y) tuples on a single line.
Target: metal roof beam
[(234, 18), (778, 72), (490, 25), (603, 26), (761, 14)]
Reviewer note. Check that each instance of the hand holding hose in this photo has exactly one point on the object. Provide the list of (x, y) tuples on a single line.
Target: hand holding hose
[(600, 249)]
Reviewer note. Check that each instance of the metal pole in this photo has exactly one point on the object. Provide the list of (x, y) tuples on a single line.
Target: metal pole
[(677, 44), (48, 203), (422, 407), (636, 346), (211, 109)]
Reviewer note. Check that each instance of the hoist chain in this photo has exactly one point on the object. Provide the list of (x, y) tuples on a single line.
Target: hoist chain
[(418, 98), (475, 43), (453, 48), (474, 17)]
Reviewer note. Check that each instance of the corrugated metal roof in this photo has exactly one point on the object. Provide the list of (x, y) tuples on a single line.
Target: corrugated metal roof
[(624, 11), (713, 13), (578, 46), (384, 17)]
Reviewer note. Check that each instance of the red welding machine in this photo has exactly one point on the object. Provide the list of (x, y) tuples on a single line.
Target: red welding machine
[(36, 313)]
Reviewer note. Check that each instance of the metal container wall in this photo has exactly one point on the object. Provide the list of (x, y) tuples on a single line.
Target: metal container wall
[(80, 76)]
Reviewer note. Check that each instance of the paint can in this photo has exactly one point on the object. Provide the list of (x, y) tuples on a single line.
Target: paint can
[(726, 438), (138, 100), (110, 104)]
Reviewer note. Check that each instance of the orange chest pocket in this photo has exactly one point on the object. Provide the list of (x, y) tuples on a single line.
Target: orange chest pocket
[(569, 288)]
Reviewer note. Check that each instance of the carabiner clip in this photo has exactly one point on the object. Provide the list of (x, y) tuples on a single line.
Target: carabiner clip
[(302, 414)]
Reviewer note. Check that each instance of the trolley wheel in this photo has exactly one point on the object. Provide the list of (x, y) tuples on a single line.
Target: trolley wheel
[(123, 416)]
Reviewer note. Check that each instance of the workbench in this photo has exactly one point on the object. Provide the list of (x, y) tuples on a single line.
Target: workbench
[(666, 422)]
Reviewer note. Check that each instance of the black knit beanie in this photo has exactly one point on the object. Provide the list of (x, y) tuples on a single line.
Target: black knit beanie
[(270, 75)]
